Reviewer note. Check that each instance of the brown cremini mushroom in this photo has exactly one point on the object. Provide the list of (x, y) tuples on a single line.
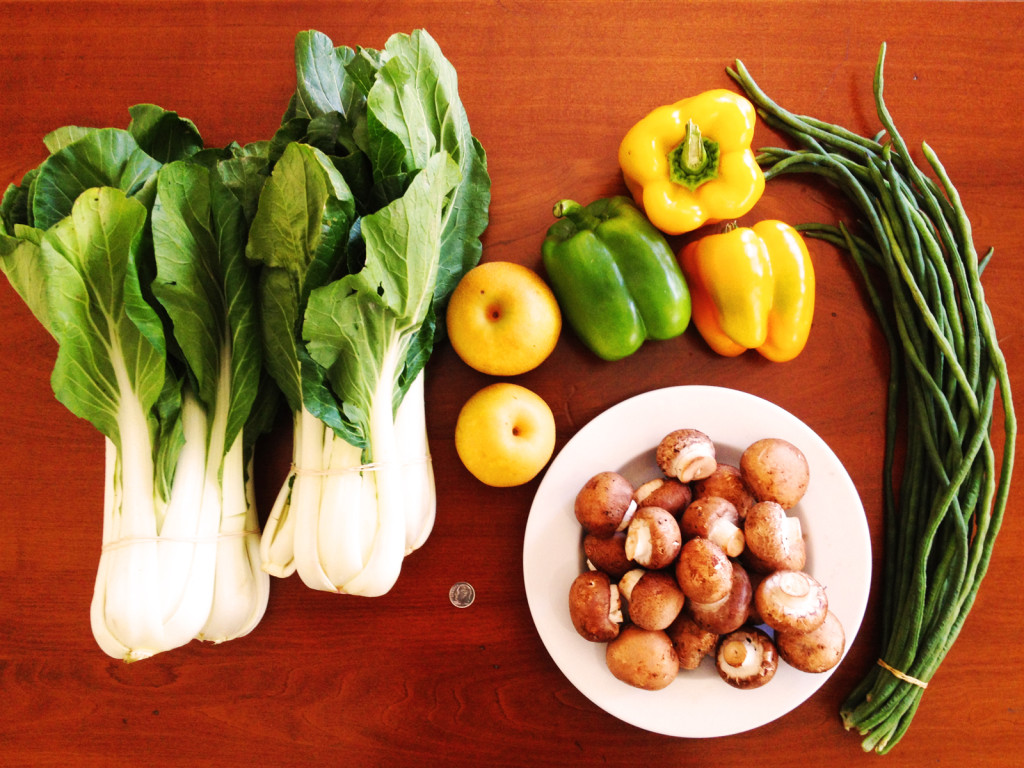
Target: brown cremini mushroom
[(791, 601), (775, 540), (594, 607), (605, 504), (816, 651), (665, 492), (653, 538), (653, 599), (608, 553), (687, 455), (704, 571), (716, 519), (643, 658), (691, 641), (775, 470), (726, 481), (746, 658), (732, 611)]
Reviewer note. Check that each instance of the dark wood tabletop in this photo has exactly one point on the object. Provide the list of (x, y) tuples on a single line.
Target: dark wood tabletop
[(550, 89)]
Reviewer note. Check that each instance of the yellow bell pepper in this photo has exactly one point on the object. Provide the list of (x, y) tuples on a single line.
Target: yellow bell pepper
[(690, 163), (752, 288)]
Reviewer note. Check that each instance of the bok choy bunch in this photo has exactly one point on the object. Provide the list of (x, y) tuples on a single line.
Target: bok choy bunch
[(129, 247), (372, 212)]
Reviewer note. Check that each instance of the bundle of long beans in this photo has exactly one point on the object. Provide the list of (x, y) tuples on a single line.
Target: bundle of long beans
[(945, 489)]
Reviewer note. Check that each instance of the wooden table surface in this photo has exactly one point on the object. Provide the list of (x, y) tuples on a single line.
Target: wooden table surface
[(550, 88)]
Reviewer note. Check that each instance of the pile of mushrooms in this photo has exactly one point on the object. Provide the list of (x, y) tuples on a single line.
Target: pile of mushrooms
[(705, 561)]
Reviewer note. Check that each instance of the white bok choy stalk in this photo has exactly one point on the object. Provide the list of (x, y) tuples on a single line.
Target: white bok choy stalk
[(414, 449)]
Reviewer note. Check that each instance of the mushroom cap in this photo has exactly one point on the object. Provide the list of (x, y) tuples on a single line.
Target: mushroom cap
[(643, 658), (704, 571), (604, 504), (791, 601), (727, 481), (653, 538), (775, 470), (594, 607), (732, 611), (715, 518), (774, 539), (746, 658), (816, 651), (686, 454), (608, 553), (691, 641), (669, 493), (653, 598)]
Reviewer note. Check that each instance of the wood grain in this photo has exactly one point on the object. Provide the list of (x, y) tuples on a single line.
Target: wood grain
[(550, 88)]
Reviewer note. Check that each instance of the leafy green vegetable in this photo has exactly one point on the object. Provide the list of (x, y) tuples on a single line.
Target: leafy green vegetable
[(135, 264), (350, 325)]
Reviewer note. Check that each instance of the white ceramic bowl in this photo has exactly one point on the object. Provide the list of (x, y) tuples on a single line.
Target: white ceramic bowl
[(623, 439)]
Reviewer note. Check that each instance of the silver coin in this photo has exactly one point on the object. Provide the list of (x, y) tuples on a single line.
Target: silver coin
[(462, 594)]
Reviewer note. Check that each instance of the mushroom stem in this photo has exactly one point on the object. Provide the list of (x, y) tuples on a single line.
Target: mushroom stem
[(614, 604), (728, 536), (627, 516), (735, 652), (638, 543), (629, 580), (716, 519)]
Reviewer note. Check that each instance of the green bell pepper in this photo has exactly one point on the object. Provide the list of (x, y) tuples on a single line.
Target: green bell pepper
[(615, 276)]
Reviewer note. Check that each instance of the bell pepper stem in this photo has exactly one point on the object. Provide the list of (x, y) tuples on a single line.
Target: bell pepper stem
[(577, 214), (694, 156), (694, 160)]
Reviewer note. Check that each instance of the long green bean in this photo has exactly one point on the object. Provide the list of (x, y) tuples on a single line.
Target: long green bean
[(945, 492)]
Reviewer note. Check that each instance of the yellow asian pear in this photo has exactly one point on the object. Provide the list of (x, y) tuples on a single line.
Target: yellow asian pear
[(503, 319), (505, 434)]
